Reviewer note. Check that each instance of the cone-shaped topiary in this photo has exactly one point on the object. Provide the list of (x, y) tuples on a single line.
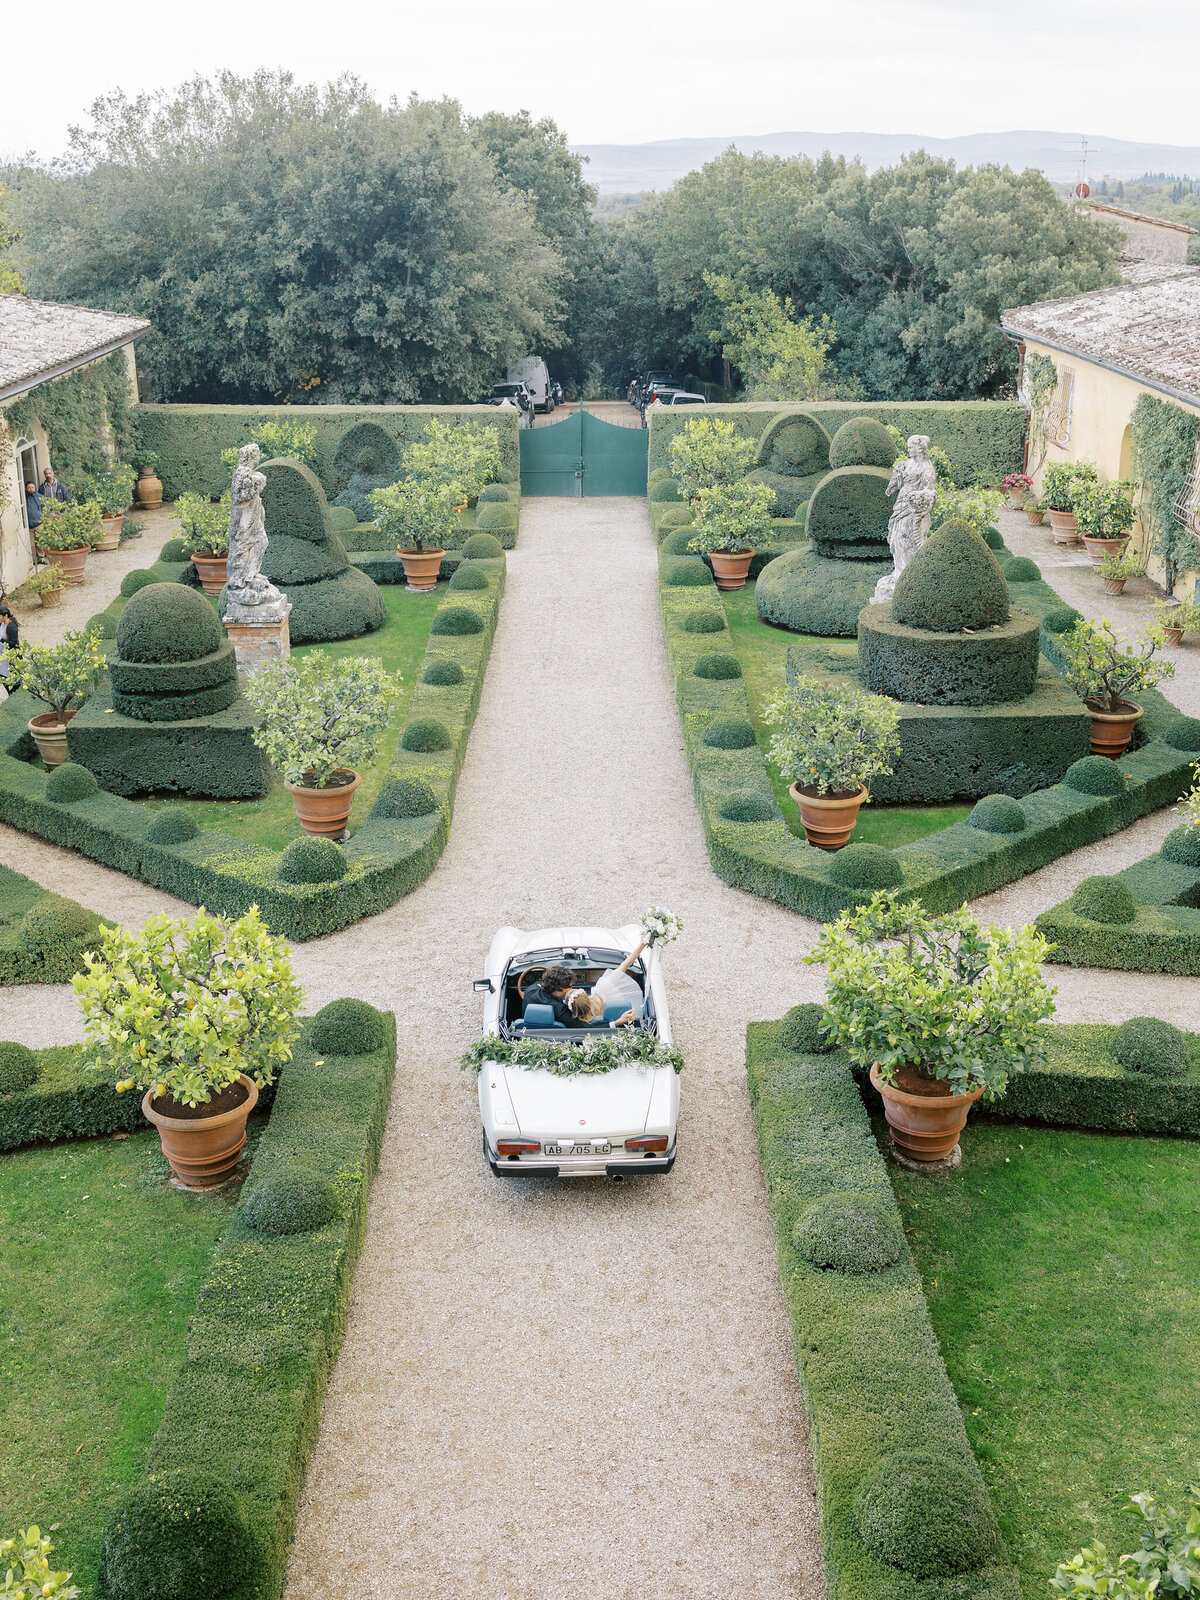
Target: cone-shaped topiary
[(288, 1202), (729, 733), (482, 547), (688, 575), (312, 860), (704, 619), (18, 1067), (406, 797), (468, 577), (348, 1028), (442, 672), (927, 1514), (850, 1232), (172, 825), (862, 442), (865, 866), (1095, 775), (456, 621), (800, 1030), (953, 582), (998, 813), (1182, 846), (425, 735), (1147, 1044), (70, 782), (718, 664), (175, 1536), (1106, 900), (754, 806)]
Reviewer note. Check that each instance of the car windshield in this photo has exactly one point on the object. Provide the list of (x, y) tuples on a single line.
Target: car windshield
[(509, 388)]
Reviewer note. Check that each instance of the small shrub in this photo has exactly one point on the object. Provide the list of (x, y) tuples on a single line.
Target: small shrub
[(850, 1233), (666, 489), (18, 1067), (1061, 619), (135, 580), (688, 575), (172, 825), (1182, 846), (1183, 733), (442, 672), (676, 543), (800, 1030), (926, 1514), (312, 860), (468, 577), (657, 476), (70, 782), (175, 1536), (348, 1028), (290, 1202), (675, 517), (103, 625), (729, 733), (54, 925), (703, 620), (426, 735), (993, 538), (1095, 775), (456, 622), (174, 550), (495, 491), (756, 806), (482, 547), (865, 866), (495, 518), (1147, 1044), (1102, 899), (1021, 570), (718, 664), (998, 813), (862, 442), (407, 797)]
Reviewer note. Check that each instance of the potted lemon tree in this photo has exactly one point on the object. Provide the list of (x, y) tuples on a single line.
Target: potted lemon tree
[(707, 453), (205, 527), (198, 1015), (68, 535), (112, 491), (61, 676), (1104, 672), (1060, 481), (48, 584), (421, 514), (1103, 516), (730, 520)]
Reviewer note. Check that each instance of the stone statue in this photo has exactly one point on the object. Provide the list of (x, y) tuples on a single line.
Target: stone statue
[(249, 597), (914, 483)]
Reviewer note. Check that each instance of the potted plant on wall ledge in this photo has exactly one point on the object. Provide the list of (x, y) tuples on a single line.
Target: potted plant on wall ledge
[(206, 537), (149, 486), (61, 676), (68, 534), (938, 1009), (112, 491), (830, 742), (317, 720), (421, 514), (1103, 671), (198, 1015), (1059, 482), (48, 584), (1104, 516), (730, 520)]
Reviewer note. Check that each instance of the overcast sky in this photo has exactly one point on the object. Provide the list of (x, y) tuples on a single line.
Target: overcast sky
[(629, 70)]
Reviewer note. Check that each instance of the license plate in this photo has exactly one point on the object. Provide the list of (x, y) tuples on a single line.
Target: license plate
[(592, 1148)]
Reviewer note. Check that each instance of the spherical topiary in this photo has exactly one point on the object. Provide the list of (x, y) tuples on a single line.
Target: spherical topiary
[(1182, 846), (729, 733), (482, 547), (850, 1232), (800, 1030), (718, 664), (998, 813), (508, 475), (53, 925), (862, 442), (865, 866), (495, 491), (172, 825), (468, 577), (442, 672), (348, 1028), (425, 735), (292, 1201), (456, 621), (407, 797), (139, 578), (1061, 619), (676, 517), (810, 593), (993, 538), (103, 625), (1183, 733), (312, 860), (168, 622), (1147, 1044), (676, 543), (704, 619), (496, 518), (927, 1514), (666, 489), (953, 582), (173, 550), (174, 1536), (688, 575), (754, 806), (657, 476), (70, 782), (1094, 775), (1021, 570), (1102, 899), (18, 1067)]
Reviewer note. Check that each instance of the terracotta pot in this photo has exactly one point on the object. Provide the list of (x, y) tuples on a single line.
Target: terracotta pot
[(1065, 530), (50, 736), (828, 818), (324, 812), (203, 1150), (211, 572), (1035, 514), (1112, 730), (51, 597), (730, 567), (149, 489), (1113, 585), (112, 533), (1098, 548), (924, 1126), (421, 568), (71, 561), (1172, 635), (1016, 499)]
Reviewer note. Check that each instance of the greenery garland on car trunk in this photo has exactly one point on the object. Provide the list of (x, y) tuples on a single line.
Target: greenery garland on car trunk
[(1163, 436), (597, 1053)]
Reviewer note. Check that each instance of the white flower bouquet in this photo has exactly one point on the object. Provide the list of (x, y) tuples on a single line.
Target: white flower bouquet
[(661, 926)]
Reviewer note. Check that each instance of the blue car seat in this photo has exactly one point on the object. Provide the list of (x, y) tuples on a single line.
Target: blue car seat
[(539, 1017), (617, 1008)]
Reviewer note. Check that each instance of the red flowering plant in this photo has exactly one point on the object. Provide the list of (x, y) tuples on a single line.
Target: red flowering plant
[(1017, 483)]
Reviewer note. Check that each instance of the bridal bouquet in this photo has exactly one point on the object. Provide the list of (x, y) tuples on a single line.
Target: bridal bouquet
[(661, 926)]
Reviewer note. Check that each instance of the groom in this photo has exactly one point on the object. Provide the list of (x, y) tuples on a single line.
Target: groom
[(551, 990)]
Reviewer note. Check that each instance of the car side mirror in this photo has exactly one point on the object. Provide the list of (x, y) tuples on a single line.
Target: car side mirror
[(484, 986)]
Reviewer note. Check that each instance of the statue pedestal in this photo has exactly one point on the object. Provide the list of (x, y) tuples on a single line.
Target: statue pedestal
[(256, 644)]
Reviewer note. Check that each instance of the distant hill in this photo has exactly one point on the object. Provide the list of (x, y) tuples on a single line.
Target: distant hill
[(627, 168)]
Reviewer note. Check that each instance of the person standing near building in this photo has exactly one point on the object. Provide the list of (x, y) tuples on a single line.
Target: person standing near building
[(10, 639), (33, 508), (51, 489)]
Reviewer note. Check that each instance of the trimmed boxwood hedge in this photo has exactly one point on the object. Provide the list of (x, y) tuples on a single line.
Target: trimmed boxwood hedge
[(1161, 891), (42, 935)]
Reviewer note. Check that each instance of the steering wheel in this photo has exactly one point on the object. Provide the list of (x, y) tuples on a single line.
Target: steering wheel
[(526, 976)]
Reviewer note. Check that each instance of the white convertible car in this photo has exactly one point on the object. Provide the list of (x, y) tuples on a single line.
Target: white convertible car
[(609, 1124)]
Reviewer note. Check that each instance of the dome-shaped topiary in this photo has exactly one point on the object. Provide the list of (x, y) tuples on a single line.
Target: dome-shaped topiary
[(1147, 1044), (865, 866), (676, 517), (508, 475), (139, 578), (407, 797), (1182, 846), (927, 1514), (173, 550), (953, 582), (103, 625), (1021, 570), (800, 1030), (342, 519), (312, 860), (18, 1067), (676, 543), (1097, 775), (426, 735), (291, 1201), (993, 538), (498, 492), (175, 1536), (862, 442), (54, 927), (847, 516), (998, 813), (348, 1028), (1061, 619), (482, 547), (666, 489), (456, 622), (442, 672), (794, 445), (753, 806), (166, 622), (467, 577), (172, 825), (70, 782), (729, 733), (1182, 733), (718, 664), (688, 575), (656, 476), (496, 518), (850, 1232), (704, 619), (1102, 899)]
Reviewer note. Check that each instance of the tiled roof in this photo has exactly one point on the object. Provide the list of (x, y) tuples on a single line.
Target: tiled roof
[(40, 340), (1147, 328)]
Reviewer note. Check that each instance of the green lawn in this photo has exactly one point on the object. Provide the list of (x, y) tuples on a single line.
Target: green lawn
[(762, 651), (1061, 1274), (101, 1263)]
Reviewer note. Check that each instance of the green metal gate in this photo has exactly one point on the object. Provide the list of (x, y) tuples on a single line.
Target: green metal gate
[(583, 456)]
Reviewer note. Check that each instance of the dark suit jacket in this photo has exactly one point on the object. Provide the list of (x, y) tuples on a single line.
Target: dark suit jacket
[(535, 995)]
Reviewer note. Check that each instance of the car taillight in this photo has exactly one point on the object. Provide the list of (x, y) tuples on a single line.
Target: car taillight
[(516, 1147), (657, 1141)]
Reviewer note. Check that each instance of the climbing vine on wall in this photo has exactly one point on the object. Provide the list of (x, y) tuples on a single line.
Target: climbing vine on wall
[(76, 412), (1163, 436), (1039, 379)]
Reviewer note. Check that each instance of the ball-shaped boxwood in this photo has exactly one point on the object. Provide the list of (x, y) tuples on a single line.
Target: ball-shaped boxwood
[(139, 578), (174, 550), (717, 664), (442, 672), (862, 442), (865, 866), (496, 518), (406, 797), (998, 813), (495, 491), (676, 543), (993, 538), (1095, 775), (172, 825), (704, 619), (1102, 899), (482, 547), (312, 860), (800, 1030), (18, 1067), (850, 1232), (348, 1028), (1061, 619), (166, 622), (70, 782), (456, 622), (729, 733), (467, 577), (292, 1201), (676, 517), (688, 575), (927, 1514), (666, 489), (425, 735), (1147, 1044), (174, 1536), (103, 625), (656, 475), (53, 926), (1182, 733), (1021, 570), (1182, 846), (755, 805)]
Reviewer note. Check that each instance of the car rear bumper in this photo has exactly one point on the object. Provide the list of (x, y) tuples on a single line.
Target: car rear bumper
[(630, 1166)]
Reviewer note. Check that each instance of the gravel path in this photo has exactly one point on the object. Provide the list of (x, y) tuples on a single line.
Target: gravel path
[(101, 580)]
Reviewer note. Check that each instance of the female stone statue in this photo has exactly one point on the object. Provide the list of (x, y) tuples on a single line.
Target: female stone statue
[(914, 483), (249, 597)]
